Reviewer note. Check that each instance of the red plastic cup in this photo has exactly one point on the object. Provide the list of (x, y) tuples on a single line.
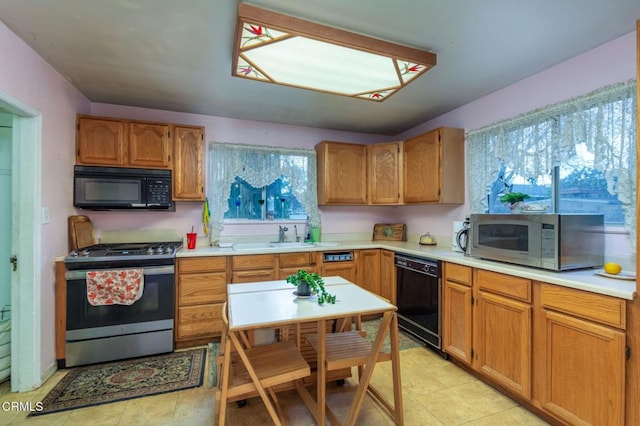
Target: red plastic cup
[(191, 240)]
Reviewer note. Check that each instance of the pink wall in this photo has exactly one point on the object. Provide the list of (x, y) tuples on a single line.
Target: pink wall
[(610, 63), (334, 220), (29, 79)]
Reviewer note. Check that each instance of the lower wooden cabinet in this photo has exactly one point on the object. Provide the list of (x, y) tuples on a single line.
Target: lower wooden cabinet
[(368, 271), (560, 349), (258, 267), (502, 333), (290, 263), (201, 287), (344, 269), (457, 312), (582, 361), (487, 324)]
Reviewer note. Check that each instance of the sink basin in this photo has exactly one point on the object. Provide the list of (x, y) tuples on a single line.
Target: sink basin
[(269, 246)]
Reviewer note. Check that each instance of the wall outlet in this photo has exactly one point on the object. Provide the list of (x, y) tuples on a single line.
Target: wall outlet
[(45, 215)]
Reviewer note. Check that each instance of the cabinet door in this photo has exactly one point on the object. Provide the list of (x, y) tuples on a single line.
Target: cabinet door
[(422, 168), (368, 273), (384, 173), (502, 341), (342, 173), (388, 276), (148, 145), (188, 163), (457, 321), (583, 371), (434, 165), (346, 270), (199, 321), (100, 141)]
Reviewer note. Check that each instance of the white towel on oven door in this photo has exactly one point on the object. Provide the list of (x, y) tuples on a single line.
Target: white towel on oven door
[(115, 287)]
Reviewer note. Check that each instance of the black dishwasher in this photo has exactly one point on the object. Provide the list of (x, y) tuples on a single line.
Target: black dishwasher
[(419, 297)]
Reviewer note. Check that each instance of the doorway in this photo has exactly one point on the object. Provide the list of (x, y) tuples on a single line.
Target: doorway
[(6, 121), (25, 243)]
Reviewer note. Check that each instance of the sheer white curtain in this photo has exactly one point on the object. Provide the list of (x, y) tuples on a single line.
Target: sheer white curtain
[(260, 166), (534, 143)]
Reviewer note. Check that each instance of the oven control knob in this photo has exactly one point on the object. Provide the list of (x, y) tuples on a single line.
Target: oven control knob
[(74, 253), (150, 250), (84, 253)]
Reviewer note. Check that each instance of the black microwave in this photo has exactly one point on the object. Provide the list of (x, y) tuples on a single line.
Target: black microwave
[(119, 188)]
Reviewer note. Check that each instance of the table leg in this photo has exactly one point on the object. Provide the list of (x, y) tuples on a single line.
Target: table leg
[(321, 373), (368, 369), (395, 367)]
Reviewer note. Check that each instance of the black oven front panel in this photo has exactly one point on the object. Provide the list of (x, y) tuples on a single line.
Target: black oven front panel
[(155, 304)]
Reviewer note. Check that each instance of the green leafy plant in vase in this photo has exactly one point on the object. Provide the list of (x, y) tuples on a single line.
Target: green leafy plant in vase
[(514, 200), (309, 283)]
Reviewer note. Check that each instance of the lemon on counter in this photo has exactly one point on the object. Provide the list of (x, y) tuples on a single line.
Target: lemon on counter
[(612, 268)]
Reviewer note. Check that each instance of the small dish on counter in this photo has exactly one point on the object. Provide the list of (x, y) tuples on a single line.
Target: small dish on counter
[(620, 276)]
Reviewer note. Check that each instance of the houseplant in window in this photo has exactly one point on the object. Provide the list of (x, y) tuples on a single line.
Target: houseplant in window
[(514, 200), (310, 283)]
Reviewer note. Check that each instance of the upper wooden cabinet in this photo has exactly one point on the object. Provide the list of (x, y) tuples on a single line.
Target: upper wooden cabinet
[(384, 173), (342, 173), (117, 142), (434, 167), (148, 145), (188, 163), (426, 169), (100, 141)]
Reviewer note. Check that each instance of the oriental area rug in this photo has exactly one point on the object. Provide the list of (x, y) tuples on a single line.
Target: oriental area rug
[(406, 340), (120, 380)]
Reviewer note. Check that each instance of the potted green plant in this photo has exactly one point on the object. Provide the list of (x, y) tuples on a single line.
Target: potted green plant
[(514, 200), (309, 283)]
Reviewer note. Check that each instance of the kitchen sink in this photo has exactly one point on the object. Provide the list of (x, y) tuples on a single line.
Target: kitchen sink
[(269, 246)]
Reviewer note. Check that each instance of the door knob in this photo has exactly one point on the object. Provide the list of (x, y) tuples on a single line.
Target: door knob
[(14, 261)]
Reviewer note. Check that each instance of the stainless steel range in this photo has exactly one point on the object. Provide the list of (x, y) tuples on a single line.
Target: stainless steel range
[(118, 331)]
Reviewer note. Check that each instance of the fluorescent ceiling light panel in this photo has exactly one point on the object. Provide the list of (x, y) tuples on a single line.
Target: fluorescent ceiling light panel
[(279, 49)]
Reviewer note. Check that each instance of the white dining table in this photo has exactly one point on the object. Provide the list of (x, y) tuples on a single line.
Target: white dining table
[(273, 304)]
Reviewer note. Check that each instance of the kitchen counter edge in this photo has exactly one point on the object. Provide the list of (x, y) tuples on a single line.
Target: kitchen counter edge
[(582, 279)]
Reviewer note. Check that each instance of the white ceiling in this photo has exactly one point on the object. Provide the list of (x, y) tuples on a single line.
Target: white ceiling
[(176, 55)]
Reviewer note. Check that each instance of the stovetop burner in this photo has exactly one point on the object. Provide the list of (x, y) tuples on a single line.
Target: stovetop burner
[(125, 252)]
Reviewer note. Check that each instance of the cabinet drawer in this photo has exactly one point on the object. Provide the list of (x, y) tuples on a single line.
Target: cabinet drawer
[(253, 276), (596, 307), (458, 273), (507, 285), (202, 264), (296, 259), (202, 288), (258, 261), (199, 321)]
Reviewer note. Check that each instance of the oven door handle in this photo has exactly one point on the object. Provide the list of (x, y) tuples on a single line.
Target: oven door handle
[(151, 270)]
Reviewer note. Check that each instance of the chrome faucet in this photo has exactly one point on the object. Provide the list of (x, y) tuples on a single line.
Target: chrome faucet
[(283, 229)]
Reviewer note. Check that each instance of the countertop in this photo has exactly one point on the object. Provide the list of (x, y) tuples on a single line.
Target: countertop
[(583, 279)]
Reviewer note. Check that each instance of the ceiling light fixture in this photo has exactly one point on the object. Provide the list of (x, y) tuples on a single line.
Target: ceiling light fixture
[(281, 49)]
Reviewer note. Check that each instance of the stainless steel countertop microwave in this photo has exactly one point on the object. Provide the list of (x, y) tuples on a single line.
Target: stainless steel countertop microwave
[(119, 188), (555, 242)]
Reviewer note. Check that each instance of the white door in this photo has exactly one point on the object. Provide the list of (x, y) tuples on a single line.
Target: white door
[(5, 209)]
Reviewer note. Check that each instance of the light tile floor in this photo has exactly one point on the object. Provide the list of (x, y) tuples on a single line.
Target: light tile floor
[(435, 392)]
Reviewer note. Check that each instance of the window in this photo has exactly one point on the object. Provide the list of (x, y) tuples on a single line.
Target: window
[(577, 156), (275, 201), (240, 176)]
